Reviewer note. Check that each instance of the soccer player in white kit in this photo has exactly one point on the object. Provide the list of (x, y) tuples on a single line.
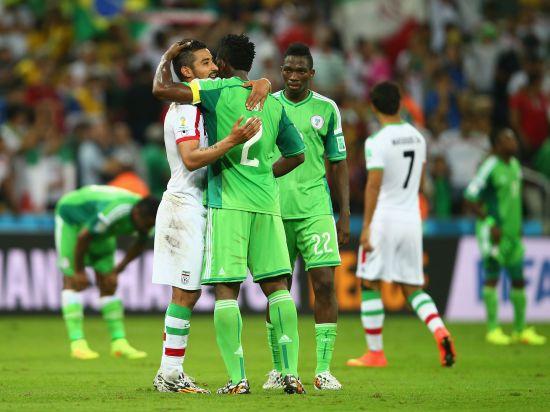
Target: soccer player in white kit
[(391, 239), (180, 222)]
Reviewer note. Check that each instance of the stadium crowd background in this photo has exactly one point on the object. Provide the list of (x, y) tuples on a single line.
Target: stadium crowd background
[(76, 106)]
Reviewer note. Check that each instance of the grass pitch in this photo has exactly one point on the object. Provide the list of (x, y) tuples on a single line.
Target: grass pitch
[(37, 373)]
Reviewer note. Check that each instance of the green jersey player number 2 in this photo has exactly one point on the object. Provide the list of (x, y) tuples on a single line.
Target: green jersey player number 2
[(242, 189)]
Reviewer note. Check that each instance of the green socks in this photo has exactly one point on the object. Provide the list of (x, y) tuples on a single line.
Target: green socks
[(519, 301), (325, 336), (73, 313), (273, 347), (228, 324), (490, 298), (284, 319), (113, 313)]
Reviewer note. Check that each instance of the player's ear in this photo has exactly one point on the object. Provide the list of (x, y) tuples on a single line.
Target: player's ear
[(312, 73), (187, 72)]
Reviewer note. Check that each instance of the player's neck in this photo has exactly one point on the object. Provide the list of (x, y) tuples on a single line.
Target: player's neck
[(386, 119), (296, 98), (241, 74), (504, 157)]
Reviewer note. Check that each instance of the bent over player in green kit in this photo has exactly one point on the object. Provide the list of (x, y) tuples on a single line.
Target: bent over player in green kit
[(495, 197), (87, 223), (306, 206), (244, 231)]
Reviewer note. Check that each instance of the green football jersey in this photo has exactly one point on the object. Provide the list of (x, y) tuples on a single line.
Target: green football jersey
[(498, 186), (243, 178), (104, 210), (304, 191)]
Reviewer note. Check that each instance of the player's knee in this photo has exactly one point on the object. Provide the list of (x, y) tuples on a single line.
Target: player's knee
[(518, 283), (369, 285), (491, 282), (187, 298)]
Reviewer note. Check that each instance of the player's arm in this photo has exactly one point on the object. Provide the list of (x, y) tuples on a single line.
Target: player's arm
[(82, 243), (290, 145), (474, 203), (340, 181), (372, 190), (164, 88), (335, 150), (375, 165), (195, 157), (135, 249), (287, 164)]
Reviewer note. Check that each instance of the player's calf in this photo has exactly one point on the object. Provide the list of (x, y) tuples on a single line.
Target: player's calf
[(425, 308)]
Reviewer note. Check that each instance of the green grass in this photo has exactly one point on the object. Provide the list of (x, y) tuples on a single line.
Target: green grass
[(37, 374)]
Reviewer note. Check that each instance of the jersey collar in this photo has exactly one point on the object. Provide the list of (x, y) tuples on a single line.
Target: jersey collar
[(307, 99)]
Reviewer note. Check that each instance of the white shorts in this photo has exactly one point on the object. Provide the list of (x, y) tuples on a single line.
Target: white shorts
[(179, 243), (396, 255)]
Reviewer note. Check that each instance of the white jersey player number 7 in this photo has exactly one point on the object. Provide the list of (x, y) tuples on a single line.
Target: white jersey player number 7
[(400, 151)]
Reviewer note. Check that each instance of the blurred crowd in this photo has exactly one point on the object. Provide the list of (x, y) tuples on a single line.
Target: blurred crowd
[(76, 106)]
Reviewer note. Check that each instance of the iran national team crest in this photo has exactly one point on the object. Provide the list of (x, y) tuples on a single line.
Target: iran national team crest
[(317, 121)]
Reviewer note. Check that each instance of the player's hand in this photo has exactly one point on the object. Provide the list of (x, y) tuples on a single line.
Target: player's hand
[(240, 134), (174, 50), (496, 234), (342, 229), (364, 240), (80, 281), (260, 90)]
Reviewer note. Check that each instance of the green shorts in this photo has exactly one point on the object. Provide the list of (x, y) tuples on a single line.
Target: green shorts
[(100, 256), (315, 239), (508, 253), (237, 241)]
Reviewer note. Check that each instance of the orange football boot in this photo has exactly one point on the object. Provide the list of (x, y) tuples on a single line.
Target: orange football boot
[(371, 359), (447, 353)]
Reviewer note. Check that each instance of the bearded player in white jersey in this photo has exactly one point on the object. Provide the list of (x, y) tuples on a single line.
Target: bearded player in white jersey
[(180, 222), (391, 239)]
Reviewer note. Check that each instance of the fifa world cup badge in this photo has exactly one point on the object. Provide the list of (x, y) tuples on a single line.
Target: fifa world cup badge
[(317, 121)]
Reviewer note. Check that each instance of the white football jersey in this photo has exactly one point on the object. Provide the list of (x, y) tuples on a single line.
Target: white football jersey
[(184, 122), (400, 150)]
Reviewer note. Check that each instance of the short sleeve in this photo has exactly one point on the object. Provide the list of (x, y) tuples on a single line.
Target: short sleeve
[(186, 124), (335, 144), (206, 91), (481, 180), (105, 219), (289, 141), (374, 155)]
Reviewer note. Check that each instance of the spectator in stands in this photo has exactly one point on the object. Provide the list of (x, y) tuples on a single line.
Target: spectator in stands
[(441, 196), (153, 155), (481, 58), (465, 148), (329, 66), (94, 152), (443, 100), (529, 111)]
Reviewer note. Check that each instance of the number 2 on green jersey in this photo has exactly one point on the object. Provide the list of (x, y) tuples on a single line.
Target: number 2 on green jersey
[(246, 147)]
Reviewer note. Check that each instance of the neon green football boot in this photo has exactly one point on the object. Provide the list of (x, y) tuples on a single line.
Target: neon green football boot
[(498, 337), (528, 336), (81, 350), (120, 348)]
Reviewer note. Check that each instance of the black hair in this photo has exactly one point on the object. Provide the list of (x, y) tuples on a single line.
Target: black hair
[(185, 57), (148, 206), (300, 50), (495, 135), (237, 50), (385, 97)]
